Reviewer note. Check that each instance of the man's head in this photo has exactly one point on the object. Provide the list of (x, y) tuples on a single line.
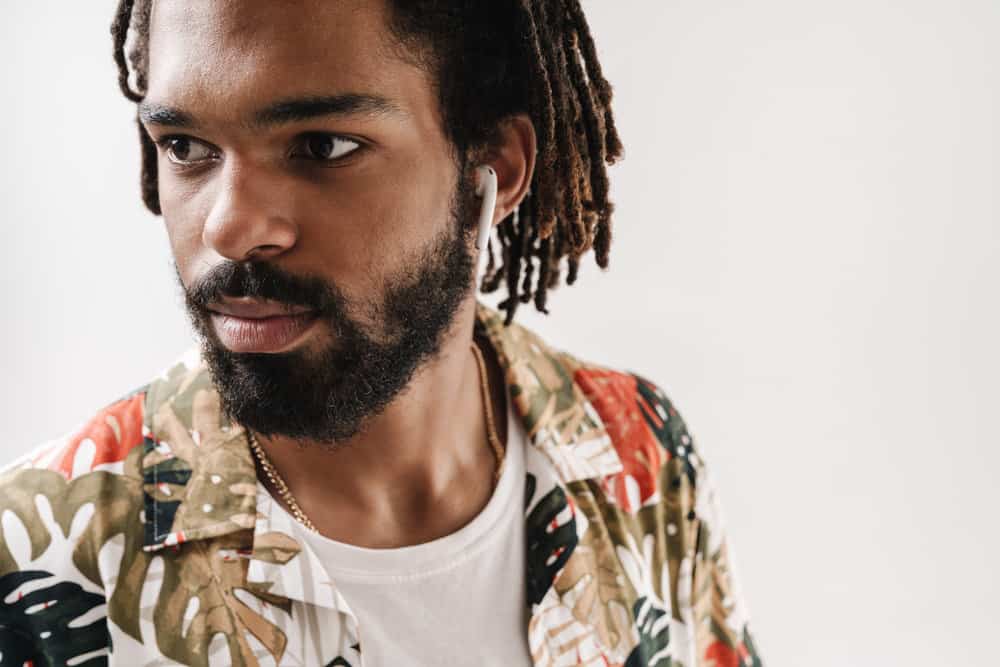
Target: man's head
[(487, 61), (319, 154)]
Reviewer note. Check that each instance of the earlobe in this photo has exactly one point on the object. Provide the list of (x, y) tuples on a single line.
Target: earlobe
[(513, 158)]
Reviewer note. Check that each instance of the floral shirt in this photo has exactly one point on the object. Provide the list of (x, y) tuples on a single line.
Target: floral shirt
[(145, 537)]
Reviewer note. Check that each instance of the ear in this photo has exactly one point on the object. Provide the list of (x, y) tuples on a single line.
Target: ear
[(513, 158)]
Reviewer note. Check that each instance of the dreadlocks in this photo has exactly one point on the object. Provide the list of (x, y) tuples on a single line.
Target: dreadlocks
[(491, 60)]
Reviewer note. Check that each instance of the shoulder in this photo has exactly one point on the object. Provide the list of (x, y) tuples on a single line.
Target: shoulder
[(58, 506), (49, 495), (646, 429), (627, 400), (66, 497), (100, 442), (665, 496), (104, 440), (594, 421), (662, 512)]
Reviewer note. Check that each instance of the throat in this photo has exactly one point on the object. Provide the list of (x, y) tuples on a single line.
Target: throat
[(376, 495)]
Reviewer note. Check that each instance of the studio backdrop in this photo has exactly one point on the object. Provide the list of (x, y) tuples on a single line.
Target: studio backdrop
[(805, 257)]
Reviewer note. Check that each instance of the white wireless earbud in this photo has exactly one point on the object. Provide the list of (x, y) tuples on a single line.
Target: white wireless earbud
[(487, 189)]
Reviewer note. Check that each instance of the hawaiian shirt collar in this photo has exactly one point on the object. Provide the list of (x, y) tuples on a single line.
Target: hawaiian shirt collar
[(200, 480)]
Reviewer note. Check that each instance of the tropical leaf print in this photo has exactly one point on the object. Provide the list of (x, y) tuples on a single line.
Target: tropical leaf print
[(719, 617), (718, 620), (163, 481), (147, 528), (198, 601), (614, 395), (666, 424), (201, 578), (197, 587), (200, 479), (748, 651), (195, 480), (743, 654), (35, 626), (591, 586), (103, 442), (550, 541), (558, 419), (653, 649), (116, 500), (593, 583)]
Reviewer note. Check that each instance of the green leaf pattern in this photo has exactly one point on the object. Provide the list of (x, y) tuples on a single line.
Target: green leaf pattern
[(173, 552)]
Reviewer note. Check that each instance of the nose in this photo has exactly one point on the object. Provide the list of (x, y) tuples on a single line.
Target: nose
[(250, 218)]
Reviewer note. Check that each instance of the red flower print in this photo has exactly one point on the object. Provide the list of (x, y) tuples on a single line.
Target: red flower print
[(106, 438), (616, 398)]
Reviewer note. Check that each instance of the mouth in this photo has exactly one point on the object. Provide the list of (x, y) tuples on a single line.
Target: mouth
[(250, 326)]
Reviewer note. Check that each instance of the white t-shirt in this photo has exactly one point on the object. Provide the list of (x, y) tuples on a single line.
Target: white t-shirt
[(457, 601)]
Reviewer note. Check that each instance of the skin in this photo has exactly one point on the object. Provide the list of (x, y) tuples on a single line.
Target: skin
[(422, 468)]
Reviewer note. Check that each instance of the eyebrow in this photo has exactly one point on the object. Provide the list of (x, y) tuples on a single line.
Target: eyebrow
[(283, 111)]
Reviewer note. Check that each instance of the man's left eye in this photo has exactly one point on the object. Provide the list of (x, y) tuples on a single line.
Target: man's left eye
[(328, 147)]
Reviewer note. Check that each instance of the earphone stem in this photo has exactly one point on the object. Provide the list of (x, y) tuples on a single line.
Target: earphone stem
[(487, 188)]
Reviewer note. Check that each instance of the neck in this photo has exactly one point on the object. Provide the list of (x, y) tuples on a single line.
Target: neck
[(419, 470)]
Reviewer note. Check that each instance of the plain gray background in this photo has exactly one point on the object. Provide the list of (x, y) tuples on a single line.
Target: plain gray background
[(805, 258)]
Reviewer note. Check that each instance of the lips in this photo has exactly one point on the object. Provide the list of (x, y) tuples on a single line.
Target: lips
[(252, 326)]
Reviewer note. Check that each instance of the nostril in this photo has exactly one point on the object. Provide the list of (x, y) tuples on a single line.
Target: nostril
[(262, 251)]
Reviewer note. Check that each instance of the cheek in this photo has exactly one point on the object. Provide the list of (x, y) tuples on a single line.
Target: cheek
[(183, 224), (377, 227)]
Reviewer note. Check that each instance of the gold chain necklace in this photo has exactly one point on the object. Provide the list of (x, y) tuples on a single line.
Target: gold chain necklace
[(286, 495)]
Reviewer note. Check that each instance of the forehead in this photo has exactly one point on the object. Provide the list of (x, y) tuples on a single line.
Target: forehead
[(222, 55)]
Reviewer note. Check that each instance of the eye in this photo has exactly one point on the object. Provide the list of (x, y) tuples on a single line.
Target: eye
[(185, 151), (327, 147)]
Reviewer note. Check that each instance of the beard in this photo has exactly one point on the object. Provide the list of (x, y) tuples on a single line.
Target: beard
[(328, 395)]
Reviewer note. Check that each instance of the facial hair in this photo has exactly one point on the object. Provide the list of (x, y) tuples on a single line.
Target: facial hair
[(328, 396)]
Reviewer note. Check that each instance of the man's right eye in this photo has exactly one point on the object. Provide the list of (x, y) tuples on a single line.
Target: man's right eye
[(185, 151)]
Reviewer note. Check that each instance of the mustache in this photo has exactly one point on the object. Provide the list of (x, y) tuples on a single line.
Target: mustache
[(260, 280)]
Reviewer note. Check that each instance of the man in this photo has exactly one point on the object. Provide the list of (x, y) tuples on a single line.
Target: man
[(361, 464)]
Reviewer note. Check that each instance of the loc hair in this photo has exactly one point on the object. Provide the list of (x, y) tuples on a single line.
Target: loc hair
[(490, 60)]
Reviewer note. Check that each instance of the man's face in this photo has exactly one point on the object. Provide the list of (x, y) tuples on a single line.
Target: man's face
[(315, 212)]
